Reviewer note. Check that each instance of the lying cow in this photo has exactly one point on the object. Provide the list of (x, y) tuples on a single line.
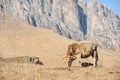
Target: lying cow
[(83, 50)]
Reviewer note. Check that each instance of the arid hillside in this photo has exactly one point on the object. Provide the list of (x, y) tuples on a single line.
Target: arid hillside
[(75, 19), (18, 39)]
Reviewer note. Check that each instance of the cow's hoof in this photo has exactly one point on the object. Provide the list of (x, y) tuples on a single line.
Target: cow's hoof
[(94, 65), (69, 63)]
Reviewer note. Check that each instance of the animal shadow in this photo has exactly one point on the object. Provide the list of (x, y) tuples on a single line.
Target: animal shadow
[(86, 64)]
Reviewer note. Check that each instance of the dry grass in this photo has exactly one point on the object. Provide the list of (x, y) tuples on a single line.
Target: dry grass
[(19, 39), (26, 71)]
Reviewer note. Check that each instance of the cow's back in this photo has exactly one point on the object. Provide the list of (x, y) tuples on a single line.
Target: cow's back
[(86, 48)]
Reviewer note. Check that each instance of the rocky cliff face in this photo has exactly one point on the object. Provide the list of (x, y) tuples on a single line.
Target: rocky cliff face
[(74, 19)]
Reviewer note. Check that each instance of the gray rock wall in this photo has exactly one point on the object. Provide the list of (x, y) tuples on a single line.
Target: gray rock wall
[(74, 19)]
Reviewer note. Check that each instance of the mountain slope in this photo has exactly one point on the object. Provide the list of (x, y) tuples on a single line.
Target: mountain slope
[(102, 24), (71, 18), (18, 39)]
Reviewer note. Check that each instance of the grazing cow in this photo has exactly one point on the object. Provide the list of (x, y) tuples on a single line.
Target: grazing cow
[(83, 50)]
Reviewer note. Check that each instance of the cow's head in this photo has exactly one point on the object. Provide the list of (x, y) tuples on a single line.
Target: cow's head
[(72, 51), (69, 53)]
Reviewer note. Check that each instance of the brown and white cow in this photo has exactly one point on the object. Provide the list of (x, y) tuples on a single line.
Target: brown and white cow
[(82, 50)]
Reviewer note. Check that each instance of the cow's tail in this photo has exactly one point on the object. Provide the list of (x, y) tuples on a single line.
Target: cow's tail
[(96, 52), (97, 55), (94, 48)]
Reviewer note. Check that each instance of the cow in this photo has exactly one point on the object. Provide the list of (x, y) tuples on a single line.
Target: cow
[(82, 50)]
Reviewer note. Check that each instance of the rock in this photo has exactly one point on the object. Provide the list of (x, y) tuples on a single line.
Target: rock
[(35, 60), (74, 19), (23, 59)]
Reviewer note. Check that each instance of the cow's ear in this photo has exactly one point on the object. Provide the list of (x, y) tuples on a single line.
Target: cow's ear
[(70, 49)]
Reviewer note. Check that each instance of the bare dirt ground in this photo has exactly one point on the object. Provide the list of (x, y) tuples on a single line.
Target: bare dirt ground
[(18, 40)]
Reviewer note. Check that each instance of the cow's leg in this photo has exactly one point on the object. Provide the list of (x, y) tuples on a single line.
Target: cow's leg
[(95, 58), (69, 63), (71, 59), (79, 59)]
